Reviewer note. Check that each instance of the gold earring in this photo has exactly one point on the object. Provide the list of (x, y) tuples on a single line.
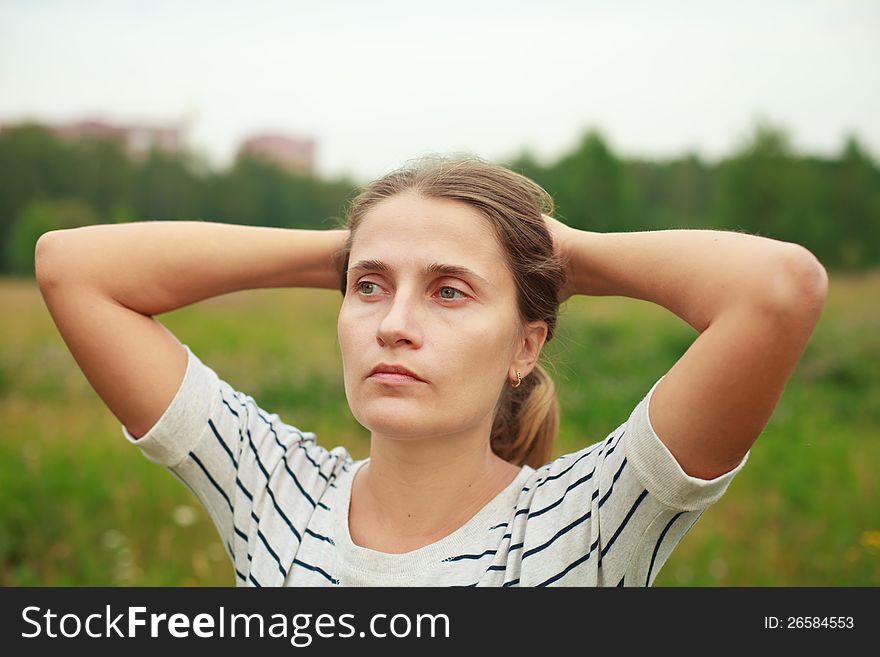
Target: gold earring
[(518, 380)]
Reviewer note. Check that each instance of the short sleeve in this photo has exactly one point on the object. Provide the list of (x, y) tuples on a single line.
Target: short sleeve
[(660, 472), (650, 502), (611, 514), (185, 420), (258, 477)]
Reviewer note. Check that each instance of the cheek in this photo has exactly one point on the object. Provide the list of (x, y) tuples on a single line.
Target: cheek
[(346, 337), (478, 359), (348, 327)]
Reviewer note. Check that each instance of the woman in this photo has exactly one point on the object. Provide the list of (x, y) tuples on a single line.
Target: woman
[(451, 278)]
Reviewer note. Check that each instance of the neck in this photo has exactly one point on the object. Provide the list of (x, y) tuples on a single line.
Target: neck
[(428, 487)]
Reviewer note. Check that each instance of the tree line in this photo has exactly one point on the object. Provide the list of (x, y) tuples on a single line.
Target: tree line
[(830, 205)]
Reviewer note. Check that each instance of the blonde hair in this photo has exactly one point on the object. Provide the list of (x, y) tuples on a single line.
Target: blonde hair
[(526, 418)]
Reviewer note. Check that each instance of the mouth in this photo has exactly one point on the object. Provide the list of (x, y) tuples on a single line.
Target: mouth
[(394, 375), (393, 378)]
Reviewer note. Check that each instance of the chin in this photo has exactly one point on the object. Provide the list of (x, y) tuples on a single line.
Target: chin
[(391, 417)]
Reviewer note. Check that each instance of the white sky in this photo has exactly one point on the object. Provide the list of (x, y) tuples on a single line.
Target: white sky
[(377, 82)]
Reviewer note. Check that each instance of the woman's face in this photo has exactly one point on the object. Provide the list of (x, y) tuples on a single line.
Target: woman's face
[(456, 331)]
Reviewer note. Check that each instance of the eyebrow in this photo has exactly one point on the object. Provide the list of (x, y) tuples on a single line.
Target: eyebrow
[(432, 268)]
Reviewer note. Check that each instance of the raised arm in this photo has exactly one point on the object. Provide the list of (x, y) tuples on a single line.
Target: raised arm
[(755, 302), (103, 284)]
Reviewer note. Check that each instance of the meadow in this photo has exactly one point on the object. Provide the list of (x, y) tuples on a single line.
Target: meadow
[(81, 506)]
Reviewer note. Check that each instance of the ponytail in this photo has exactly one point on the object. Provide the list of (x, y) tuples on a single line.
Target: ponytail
[(526, 420)]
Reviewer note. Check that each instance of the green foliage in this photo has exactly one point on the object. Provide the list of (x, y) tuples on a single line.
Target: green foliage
[(165, 187), (592, 188), (81, 506), (830, 206), (764, 187), (37, 218)]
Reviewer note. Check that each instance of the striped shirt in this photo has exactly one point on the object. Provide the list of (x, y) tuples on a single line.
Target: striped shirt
[(607, 515)]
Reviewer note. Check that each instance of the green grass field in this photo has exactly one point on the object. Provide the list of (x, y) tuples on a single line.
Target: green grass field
[(81, 506)]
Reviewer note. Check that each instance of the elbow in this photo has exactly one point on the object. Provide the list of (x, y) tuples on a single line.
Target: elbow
[(799, 285), (47, 254), (41, 257)]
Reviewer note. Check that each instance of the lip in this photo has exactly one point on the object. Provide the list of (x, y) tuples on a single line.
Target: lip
[(394, 379), (394, 374)]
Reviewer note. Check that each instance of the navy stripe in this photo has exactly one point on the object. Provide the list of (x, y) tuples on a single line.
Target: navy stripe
[(595, 543), (211, 479), (243, 536), (286, 467), (266, 474), (225, 497), (278, 442), (302, 437), (557, 475), (577, 483), (559, 501), (235, 529), (317, 570), (300, 444), (284, 448), (568, 528), (471, 556), (512, 582), (574, 463), (657, 547), (561, 532), (244, 490), (586, 477), (547, 582), (623, 524), (613, 480), (502, 568), (272, 552), (232, 410), (319, 537), (239, 575), (269, 490), (621, 580), (221, 441), (253, 579), (503, 524)]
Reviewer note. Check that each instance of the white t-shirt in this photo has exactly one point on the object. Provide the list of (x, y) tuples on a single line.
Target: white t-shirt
[(607, 515)]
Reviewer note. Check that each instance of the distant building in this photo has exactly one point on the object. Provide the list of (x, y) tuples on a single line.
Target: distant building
[(293, 154), (137, 139)]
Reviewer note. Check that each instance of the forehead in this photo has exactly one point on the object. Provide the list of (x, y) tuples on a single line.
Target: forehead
[(410, 231)]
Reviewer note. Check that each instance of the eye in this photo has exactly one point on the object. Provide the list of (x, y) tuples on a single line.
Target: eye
[(369, 292), (454, 289), (359, 287)]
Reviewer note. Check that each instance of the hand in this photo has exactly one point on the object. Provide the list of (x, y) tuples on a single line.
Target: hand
[(561, 235)]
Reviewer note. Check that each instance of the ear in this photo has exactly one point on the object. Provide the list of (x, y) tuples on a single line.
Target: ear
[(529, 348)]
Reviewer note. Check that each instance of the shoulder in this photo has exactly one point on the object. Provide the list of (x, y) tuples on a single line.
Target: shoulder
[(210, 415), (630, 457)]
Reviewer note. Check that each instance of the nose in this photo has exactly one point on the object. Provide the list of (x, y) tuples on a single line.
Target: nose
[(400, 321)]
